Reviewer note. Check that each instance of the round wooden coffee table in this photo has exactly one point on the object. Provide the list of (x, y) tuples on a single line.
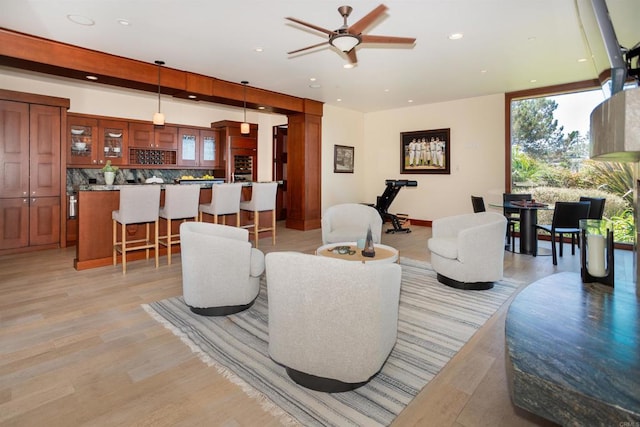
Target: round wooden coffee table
[(384, 253)]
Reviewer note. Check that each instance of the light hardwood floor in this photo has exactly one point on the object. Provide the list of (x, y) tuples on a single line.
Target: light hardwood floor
[(77, 349)]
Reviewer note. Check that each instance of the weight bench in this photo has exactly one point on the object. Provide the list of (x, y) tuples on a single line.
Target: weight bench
[(384, 201)]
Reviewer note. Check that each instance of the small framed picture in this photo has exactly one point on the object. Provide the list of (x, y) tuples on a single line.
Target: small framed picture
[(342, 159), (425, 151)]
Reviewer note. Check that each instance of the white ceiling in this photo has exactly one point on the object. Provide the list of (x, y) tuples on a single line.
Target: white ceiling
[(508, 45)]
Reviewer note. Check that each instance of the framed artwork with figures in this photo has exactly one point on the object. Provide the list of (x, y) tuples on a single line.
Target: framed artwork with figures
[(425, 151)]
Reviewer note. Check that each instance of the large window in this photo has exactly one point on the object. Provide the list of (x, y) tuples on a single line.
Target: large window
[(548, 155)]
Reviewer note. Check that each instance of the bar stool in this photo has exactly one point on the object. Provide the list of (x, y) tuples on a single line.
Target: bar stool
[(180, 202), (263, 198), (225, 200), (138, 205)]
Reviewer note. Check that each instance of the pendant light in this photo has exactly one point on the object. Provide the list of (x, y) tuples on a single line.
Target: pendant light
[(244, 126), (158, 118)]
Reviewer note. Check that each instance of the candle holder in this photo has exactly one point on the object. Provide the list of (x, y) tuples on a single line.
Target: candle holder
[(596, 252)]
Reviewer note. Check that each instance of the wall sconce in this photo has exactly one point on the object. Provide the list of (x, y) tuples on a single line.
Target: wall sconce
[(158, 118), (244, 126)]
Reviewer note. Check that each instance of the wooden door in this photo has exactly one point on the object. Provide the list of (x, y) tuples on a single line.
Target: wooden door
[(113, 136), (14, 179), (210, 149), (44, 184), (44, 151), (44, 220), (188, 146), (14, 149), (82, 140), (14, 223), (280, 169), (141, 135), (166, 137)]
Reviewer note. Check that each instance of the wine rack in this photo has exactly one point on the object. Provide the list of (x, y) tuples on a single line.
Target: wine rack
[(138, 156)]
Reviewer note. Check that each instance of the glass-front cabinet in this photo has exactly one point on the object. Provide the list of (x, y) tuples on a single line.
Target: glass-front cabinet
[(197, 147), (94, 141), (113, 134), (82, 135)]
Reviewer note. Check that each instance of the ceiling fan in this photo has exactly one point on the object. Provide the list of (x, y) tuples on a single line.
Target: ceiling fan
[(346, 38)]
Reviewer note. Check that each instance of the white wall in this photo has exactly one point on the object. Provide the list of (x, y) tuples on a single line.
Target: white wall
[(103, 100), (342, 127), (477, 140), (477, 155)]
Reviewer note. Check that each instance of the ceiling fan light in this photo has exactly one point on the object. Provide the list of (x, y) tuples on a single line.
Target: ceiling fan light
[(345, 42)]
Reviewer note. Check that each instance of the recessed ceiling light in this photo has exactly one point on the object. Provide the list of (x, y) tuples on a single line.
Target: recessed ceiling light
[(258, 49), (312, 79), (261, 107), (532, 81), (410, 101), (339, 99), (91, 78), (386, 90), (192, 96), (81, 20), (483, 71), (582, 60), (349, 65), (456, 36), (124, 22)]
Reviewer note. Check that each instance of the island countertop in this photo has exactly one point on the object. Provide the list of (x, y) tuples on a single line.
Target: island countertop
[(96, 202)]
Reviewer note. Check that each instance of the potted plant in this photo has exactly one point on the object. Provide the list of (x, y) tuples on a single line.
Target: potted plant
[(109, 172)]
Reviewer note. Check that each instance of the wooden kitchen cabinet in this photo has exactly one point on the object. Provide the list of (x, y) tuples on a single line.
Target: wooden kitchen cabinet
[(30, 187), (151, 145), (148, 136), (198, 148), (93, 141), (239, 152)]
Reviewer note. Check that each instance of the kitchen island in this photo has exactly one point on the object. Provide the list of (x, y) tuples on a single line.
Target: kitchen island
[(94, 235)]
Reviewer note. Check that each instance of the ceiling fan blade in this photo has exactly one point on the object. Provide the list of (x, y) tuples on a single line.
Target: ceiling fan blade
[(386, 39), (367, 20), (315, 27), (307, 48), (352, 56)]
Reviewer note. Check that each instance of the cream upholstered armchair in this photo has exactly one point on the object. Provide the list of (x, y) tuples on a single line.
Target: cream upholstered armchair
[(348, 222), (332, 323), (467, 251), (220, 270)]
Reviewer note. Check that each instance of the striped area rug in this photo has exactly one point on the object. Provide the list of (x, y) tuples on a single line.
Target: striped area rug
[(435, 321)]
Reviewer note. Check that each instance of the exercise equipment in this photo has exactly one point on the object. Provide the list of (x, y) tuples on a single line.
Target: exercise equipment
[(384, 201)]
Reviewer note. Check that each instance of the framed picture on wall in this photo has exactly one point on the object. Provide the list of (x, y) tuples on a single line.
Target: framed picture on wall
[(342, 159), (425, 151)]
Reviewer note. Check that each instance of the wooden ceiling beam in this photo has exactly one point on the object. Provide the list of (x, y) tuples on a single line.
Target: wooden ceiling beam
[(27, 52)]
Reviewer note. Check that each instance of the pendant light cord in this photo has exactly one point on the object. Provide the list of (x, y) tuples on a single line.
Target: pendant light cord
[(160, 63), (245, 83)]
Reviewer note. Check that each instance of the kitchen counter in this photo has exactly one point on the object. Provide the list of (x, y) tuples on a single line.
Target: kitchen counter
[(96, 202), (115, 187)]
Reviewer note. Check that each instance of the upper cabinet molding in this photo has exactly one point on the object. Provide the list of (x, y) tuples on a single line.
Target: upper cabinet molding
[(32, 53)]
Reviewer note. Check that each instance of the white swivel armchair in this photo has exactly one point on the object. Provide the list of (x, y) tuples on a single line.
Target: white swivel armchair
[(332, 323), (220, 270), (348, 222), (467, 251)]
